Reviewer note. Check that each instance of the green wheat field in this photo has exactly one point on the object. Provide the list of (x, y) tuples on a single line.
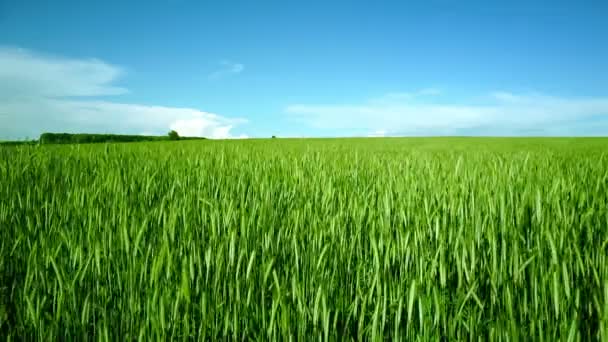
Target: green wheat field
[(306, 239)]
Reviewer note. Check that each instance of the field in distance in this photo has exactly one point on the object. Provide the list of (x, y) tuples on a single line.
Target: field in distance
[(396, 238)]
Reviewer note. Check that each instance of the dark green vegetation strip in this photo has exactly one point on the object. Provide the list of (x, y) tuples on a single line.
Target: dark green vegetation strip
[(18, 143), (86, 138), (67, 138), (436, 239), (83, 138)]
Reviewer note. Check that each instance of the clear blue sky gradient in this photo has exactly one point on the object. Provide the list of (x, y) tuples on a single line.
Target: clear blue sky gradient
[(322, 52)]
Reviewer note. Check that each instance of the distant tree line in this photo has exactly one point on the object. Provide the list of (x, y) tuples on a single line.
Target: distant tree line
[(18, 142), (85, 138), (82, 138), (67, 138)]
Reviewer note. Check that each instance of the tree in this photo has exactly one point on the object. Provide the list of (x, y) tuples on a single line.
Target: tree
[(173, 135), (274, 137)]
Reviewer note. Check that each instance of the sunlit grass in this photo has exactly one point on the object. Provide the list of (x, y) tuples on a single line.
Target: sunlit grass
[(406, 239)]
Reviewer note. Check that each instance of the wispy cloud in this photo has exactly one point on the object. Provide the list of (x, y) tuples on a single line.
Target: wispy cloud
[(24, 73), (377, 134), (227, 68), (49, 93), (399, 97), (500, 113)]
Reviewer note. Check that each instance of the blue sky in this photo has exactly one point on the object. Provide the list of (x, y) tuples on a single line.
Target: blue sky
[(226, 69)]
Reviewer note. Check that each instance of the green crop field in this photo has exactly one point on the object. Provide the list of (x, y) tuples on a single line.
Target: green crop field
[(331, 239)]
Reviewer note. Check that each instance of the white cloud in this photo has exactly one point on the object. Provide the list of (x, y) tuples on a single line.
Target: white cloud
[(25, 74), (227, 68), (377, 134), (502, 113), (206, 125), (42, 93)]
